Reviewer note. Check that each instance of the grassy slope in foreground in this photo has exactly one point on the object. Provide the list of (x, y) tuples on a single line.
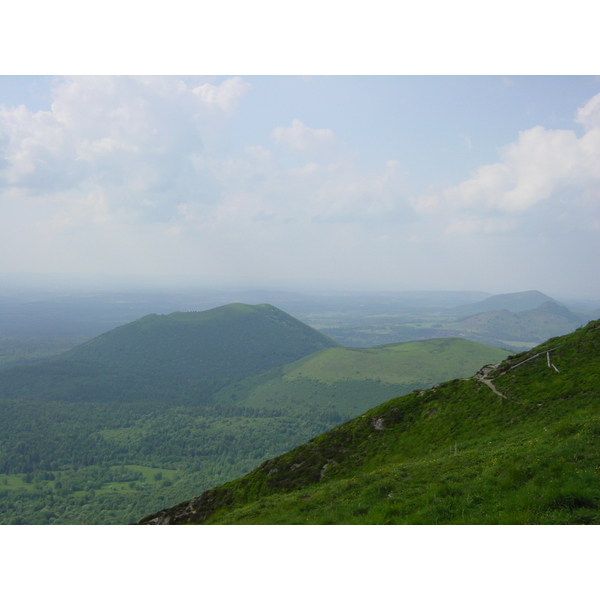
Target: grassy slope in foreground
[(457, 454), (351, 380)]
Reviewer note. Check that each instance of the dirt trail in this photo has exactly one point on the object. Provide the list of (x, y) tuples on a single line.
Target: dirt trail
[(482, 376)]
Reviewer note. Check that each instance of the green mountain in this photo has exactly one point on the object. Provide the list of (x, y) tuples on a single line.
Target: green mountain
[(523, 329), (233, 340), (514, 302), (184, 356), (518, 443)]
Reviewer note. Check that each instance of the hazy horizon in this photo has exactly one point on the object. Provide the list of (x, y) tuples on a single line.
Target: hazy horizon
[(341, 184), (20, 286)]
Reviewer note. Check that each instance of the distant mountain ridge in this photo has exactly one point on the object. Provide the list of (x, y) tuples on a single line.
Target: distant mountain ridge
[(559, 310), (526, 327), (514, 302)]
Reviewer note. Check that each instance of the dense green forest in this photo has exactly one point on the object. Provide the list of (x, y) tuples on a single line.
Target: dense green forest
[(518, 443), (62, 462)]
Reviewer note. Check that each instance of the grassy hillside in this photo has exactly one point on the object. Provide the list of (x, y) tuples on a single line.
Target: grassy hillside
[(516, 444), (349, 381)]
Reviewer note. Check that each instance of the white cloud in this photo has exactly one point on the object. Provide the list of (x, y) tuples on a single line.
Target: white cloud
[(344, 193), (589, 115), (542, 165), (127, 174), (73, 211), (478, 225), (255, 184), (427, 204), (225, 96), (301, 138), (135, 134), (174, 231)]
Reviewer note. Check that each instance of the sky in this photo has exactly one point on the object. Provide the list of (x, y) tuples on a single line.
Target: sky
[(359, 183)]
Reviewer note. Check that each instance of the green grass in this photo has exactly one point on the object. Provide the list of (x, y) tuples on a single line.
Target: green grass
[(149, 475), (456, 454), (524, 481), (14, 482), (349, 381), (404, 363), (152, 474)]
